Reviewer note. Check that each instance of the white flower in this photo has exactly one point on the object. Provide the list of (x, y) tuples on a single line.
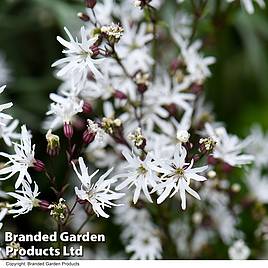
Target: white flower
[(62, 110), (4, 106), (132, 47), (248, 4), (239, 251), (98, 194), (4, 71), (7, 131), (138, 173), (26, 199), (259, 146), (96, 129), (140, 235), (3, 213), (78, 55), (21, 160), (196, 63), (177, 176), (258, 185), (228, 147)]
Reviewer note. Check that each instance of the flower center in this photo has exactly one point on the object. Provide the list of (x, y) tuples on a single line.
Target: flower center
[(179, 172), (142, 169)]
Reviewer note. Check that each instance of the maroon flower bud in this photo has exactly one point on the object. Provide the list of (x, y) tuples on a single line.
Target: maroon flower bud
[(196, 157), (68, 130), (95, 50), (120, 95), (171, 108), (211, 160), (176, 64), (44, 204), (196, 88), (226, 167), (83, 16), (39, 166), (90, 3), (142, 88), (82, 202), (87, 108), (88, 136)]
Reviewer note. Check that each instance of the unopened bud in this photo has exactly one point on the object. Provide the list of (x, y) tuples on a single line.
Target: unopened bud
[(95, 50), (90, 3), (68, 130), (226, 168), (183, 136), (87, 108), (44, 204), (211, 160), (39, 166), (120, 95), (53, 144), (196, 88), (83, 16), (88, 136)]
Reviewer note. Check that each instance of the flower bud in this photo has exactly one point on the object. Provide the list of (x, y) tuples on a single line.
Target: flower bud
[(90, 3), (83, 16), (95, 50), (44, 204), (68, 130), (87, 108), (211, 160), (120, 95), (88, 136), (196, 88), (183, 136), (226, 168), (39, 166), (53, 144)]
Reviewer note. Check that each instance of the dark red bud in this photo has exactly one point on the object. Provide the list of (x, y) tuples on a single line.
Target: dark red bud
[(196, 88), (171, 108), (44, 204), (83, 16), (88, 136), (87, 108), (142, 88), (175, 64), (95, 50), (226, 168), (196, 157), (39, 166), (68, 130), (120, 95), (90, 3), (212, 160)]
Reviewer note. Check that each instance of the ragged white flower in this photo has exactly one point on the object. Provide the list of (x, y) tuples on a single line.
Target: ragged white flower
[(249, 6), (3, 213), (62, 110), (197, 66), (258, 185), (98, 194), (20, 161), (26, 199), (8, 131), (4, 106), (228, 147), (4, 70), (140, 235), (79, 55), (177, 175), (239, 251), (139, 174)]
